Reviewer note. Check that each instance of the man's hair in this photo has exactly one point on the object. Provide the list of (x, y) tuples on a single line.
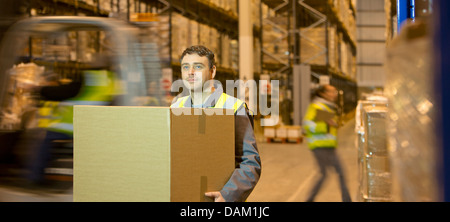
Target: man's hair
[(201, 51), (321, 90)]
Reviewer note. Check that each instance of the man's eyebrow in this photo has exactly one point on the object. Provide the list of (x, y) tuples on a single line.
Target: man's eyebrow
[(195, 63)]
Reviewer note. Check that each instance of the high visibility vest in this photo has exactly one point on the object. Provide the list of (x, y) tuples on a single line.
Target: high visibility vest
[(224, 102), (45, 113), (97, 89), (318, 133)]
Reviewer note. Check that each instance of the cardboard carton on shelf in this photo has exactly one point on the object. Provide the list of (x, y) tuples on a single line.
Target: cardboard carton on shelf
[(284, 133), (150, 153), (281, 132), (289, 133), (294, 133), (269, 132)]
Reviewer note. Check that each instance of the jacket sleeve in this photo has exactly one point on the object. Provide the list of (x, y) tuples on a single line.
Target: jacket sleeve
[(60, 92), (247, 160), (309, 123)]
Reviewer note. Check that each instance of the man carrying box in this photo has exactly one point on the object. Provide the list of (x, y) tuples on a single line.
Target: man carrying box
[(321, 131), (197, 68)]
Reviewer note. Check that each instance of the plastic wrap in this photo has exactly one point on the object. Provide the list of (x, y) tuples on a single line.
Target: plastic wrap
[(375, 168), (375, 128), (373, 177), (411, 125)]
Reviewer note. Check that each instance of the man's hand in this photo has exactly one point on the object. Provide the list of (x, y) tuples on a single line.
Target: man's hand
[(332, 123), (216, 195)]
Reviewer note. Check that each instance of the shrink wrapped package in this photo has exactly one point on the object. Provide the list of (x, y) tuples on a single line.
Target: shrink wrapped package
[(375, 128), (376, 162), (377, 178), (413, 145), (374, 165), (370, 101), (361, 168)]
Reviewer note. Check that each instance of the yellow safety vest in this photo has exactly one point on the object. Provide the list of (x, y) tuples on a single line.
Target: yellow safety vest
[(318, 133), (224, 102), (45, 113), (98, 89)]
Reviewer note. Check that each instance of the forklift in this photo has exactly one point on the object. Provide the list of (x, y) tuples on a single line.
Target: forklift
[(45, 51)]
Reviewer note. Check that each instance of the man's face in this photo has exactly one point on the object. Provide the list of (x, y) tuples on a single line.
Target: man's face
[(195, 70), (330, 93)]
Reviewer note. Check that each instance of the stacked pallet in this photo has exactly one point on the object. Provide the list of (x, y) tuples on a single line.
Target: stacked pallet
[(283, 134)]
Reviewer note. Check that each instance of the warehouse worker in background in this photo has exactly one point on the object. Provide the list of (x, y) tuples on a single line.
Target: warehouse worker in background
[(321, 136), (197, 66), (92, 87)]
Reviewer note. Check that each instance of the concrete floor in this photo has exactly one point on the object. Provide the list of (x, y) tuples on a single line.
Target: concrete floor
[(287, 175), (289, 171)]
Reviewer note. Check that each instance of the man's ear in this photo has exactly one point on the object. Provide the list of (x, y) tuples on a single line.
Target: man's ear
[(213, 72)]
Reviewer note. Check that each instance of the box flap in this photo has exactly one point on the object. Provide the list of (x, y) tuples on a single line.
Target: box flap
[(202, 153)]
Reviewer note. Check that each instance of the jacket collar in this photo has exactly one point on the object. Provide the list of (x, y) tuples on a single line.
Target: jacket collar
[(326, 102), (210, 101)]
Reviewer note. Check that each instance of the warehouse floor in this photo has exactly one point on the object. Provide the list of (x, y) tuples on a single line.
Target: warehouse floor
[(290, 170), (288, 173)]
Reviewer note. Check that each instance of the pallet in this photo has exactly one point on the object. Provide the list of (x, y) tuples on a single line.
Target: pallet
[(284, 140)]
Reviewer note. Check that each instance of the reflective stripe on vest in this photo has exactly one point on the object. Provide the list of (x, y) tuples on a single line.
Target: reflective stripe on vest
[(323, 107), (322, 138), (221, 101), (62, 127), (180, 102), (45, 113), (183, 101), (228, 102)]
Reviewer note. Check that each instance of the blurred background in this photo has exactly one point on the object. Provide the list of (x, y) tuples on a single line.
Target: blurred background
[(386, 58)]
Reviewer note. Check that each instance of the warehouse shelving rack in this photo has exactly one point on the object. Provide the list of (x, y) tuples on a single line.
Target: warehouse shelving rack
[(201, 11), (73, 7), (206, 13), (293, 19), (309, 14)]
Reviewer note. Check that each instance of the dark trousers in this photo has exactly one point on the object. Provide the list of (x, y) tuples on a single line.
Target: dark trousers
[(326, 157), (42, 155)]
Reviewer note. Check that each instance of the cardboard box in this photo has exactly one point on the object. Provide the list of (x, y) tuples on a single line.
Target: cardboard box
[(294, 132), (269, 131), (150, 153), (281, 132)]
